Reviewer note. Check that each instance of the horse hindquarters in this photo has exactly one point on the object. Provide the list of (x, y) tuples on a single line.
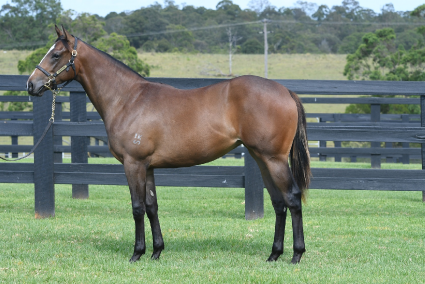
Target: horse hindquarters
[(277, 128)]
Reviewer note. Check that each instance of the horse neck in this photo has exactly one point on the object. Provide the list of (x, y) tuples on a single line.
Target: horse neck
[(107, 83)]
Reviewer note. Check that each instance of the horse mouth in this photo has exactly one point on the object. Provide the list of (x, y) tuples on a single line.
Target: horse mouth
[(39, 92)]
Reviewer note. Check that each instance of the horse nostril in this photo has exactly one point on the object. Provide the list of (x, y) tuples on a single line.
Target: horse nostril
[(30, 87)]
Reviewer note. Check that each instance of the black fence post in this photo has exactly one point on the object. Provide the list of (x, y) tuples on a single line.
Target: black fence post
[(423, 145), (254, 189), (14, 142), (322, 144), (57, 140), (405, 158), (78, 113), (375, 116), (337, 144), (44, 187)]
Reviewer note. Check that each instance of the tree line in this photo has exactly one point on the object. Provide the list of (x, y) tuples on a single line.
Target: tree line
[(305, 28)]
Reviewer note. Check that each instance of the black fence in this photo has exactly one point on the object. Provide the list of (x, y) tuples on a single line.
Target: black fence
[(48, 170)]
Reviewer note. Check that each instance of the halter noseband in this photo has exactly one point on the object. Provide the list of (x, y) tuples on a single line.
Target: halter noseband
[(52, 77)]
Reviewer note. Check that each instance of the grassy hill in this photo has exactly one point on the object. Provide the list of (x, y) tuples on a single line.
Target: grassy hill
[(281, 66)]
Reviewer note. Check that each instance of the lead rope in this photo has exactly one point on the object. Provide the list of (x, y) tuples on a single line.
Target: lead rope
[(51, 120)]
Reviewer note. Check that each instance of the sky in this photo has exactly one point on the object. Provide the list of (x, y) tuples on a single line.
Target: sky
[(103, 7)]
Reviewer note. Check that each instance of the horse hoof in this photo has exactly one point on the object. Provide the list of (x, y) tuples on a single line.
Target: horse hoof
[(296, 258), (136, 257), (156, 254), (273, 256)]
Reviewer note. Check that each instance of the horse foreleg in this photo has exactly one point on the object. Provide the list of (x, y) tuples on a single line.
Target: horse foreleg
[(136, 177), (152, 212)]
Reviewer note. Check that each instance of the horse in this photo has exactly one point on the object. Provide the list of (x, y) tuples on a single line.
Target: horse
[(152, 125)]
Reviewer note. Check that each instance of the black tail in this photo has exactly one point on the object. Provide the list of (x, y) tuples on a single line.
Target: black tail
[(299, 155)]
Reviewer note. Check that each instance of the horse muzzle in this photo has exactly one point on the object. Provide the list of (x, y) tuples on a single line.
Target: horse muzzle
[(36, 89)]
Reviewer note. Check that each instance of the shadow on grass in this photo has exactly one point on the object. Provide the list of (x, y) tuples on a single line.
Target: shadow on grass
[(199, 247)]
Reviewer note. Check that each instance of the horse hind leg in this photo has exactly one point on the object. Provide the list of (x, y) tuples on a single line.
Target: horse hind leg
[(152, 212), (283, 179), (284, 194), (279, 208)]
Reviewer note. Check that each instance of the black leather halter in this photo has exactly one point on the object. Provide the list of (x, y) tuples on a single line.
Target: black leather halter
[(51, 84)]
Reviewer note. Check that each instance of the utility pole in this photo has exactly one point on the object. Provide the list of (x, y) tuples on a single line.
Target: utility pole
[(266, 48), (229, 33)]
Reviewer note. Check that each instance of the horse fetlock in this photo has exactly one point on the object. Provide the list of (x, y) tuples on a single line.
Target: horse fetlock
[(298, 252), (277, 248)]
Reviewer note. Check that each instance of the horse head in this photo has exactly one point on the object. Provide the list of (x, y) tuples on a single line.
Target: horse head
[(60, 57)]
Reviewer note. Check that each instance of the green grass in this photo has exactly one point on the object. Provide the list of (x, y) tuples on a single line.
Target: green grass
[(280, 66), (351, 237)]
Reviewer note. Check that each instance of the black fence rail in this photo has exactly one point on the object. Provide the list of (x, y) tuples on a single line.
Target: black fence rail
[(47, 169), (388, 120)]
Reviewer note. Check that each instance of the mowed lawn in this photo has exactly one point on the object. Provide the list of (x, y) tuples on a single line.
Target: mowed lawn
[(351, 237)]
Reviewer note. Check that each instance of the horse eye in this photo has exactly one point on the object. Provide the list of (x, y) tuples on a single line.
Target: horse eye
[(56, 55)]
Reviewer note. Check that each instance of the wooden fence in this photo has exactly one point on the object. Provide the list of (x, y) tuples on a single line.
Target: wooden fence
[(47, 171)]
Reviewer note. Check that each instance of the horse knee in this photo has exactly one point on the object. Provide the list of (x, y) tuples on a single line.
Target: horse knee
[(138, 212)]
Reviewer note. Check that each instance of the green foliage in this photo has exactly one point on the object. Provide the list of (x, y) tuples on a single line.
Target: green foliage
[(350, 43), (119, 47), (24, 23), (88, 25), (385, 108), (252, 46), (418, 11), (16, 106), (378, 58), (163, 28), (381, 57), (182, 40), (28, 65)]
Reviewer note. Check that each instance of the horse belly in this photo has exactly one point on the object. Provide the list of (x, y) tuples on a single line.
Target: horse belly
[(192, 150)]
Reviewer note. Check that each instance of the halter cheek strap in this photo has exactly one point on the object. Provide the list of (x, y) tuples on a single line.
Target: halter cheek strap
[(52, 77)]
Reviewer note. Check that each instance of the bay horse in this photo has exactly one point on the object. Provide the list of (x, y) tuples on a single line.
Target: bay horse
[(151, 125)]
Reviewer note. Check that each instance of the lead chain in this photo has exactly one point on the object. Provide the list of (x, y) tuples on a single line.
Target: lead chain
[(52, 118)]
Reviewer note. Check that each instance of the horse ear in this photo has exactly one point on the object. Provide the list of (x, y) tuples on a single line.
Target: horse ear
[(58, 31), (66, 34)]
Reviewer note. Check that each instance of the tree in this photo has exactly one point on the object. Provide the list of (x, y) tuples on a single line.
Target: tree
[(88, 25), (252, 46), (24, 23), (119, 47), (377, 58)]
